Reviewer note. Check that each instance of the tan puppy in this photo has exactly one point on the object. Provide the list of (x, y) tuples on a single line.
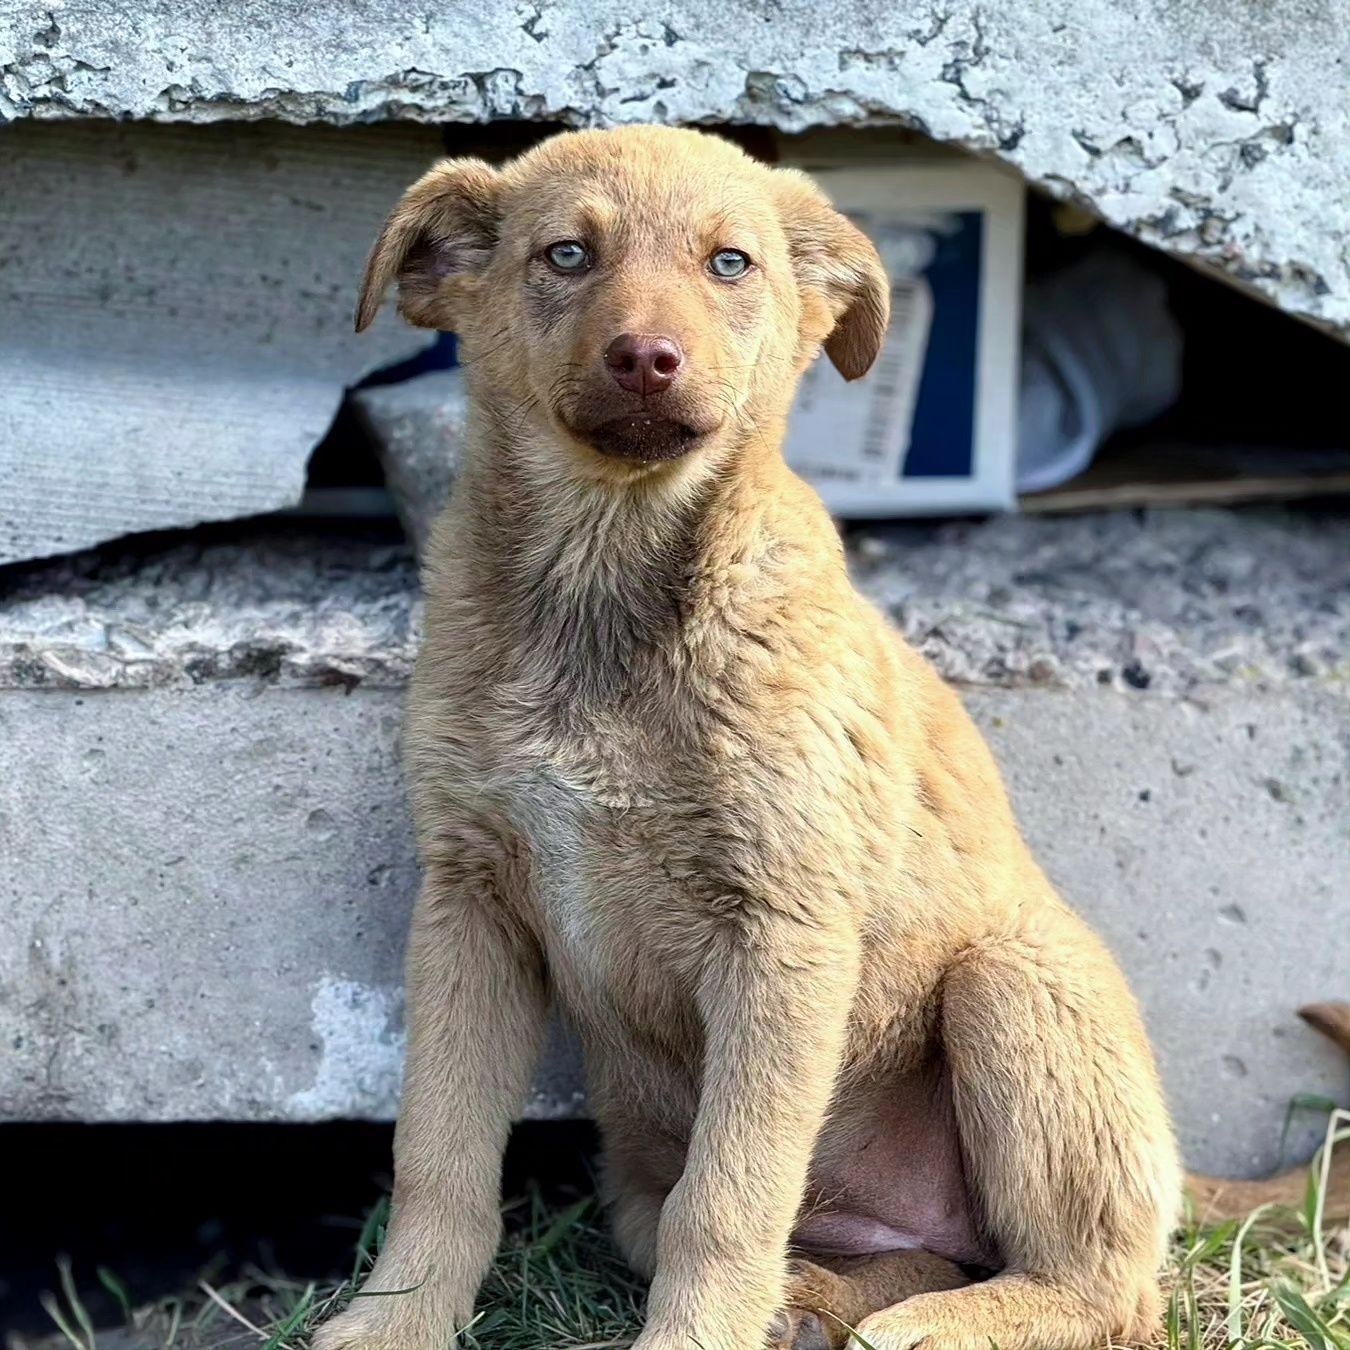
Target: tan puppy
[(670, 770)]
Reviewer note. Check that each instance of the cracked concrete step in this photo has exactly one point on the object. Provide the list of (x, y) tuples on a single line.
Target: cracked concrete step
[(206, 864)]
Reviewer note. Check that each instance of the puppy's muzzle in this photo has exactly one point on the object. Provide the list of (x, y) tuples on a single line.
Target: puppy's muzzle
[(649, 412)]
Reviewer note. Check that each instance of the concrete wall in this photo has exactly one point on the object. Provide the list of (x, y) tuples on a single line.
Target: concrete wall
[(1221, 134), (205, 865)]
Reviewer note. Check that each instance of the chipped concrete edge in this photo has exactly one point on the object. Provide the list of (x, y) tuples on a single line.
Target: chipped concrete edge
[(1167, 603)]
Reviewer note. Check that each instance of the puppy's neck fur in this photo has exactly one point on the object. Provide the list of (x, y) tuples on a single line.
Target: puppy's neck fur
[(601, 577)]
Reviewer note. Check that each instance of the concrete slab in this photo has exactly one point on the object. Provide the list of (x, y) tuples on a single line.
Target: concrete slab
[(206, 893), (282, 610), (178, 318), (207, 868), (1224, 143)]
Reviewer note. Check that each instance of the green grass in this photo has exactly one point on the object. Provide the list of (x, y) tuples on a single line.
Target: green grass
[(1280, 1280)]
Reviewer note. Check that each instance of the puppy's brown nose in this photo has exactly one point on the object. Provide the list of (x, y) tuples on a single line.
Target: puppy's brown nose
[(643, 363)]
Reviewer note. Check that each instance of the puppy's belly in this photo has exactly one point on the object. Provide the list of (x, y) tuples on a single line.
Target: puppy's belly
[(835, 1234), (888, 1174)]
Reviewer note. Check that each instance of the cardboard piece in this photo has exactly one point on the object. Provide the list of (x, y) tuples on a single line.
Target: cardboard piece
[(1188, 475), (931, 428)]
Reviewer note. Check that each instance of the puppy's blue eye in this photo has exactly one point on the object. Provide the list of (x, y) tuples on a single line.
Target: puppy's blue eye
[(568, 255), (729, 263)]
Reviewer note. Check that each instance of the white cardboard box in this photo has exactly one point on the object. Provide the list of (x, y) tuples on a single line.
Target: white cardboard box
[(932, 428)]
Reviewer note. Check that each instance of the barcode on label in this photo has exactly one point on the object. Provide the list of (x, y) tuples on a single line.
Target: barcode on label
[(859, 434)]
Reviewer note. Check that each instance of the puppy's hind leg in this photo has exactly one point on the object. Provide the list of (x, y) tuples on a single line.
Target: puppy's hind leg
[(1067, 1145), (634, 1218), (642, 1159)]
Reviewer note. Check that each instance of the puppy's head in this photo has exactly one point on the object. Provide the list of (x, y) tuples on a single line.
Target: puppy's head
[(647, 292)]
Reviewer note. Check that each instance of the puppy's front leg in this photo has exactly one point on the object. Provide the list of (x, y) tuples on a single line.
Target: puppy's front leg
[(476, 1014), (775, 1008)]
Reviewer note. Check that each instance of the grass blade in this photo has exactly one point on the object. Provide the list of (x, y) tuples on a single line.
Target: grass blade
[(1299, 1313), (391, 1293), (1205, 1247), (54, 1310), (372, 1235), (116, 1288), (73, 1301), (561, 1227), (175, 1321), (854, 1334), (1335, 1135), (278, 1337), (1173, 1323), (1234, 1320)]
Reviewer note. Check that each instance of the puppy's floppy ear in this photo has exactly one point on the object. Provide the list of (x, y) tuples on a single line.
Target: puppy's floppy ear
[(846, 294), (441, 233)]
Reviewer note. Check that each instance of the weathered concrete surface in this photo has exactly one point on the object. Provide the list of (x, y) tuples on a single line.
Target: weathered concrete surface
[(177, 329), (1208, 840), (205, 865), (205, 893), (1175, 601), (1172, 602), (1225, 139)]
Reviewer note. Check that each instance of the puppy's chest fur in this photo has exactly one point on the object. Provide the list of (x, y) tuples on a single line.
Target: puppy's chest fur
[(619, 853), (599, 750), (620, 719)]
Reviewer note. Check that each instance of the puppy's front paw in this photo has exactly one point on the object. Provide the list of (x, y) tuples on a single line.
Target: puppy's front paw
[(926, 1321), (385, 1323)]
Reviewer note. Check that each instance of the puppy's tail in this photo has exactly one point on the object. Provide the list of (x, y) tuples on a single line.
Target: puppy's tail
[(1217, 1199)]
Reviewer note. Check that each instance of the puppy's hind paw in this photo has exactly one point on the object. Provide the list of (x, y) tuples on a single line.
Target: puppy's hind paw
[(802, 1329)]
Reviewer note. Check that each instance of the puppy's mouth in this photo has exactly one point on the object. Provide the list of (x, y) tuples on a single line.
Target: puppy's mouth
[(643, 438)]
